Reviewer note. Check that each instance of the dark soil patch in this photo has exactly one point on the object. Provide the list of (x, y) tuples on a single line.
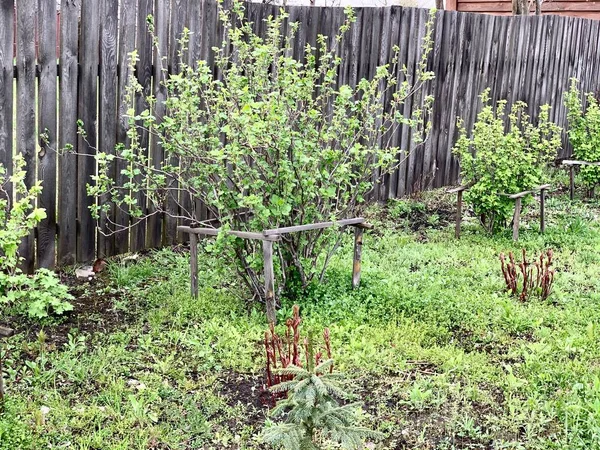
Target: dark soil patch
[(93, 312)]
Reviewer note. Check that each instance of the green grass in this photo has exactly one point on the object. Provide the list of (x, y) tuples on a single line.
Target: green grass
[(440, 355)]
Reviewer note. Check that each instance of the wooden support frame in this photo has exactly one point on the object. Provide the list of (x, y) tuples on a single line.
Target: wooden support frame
[(518, 204), (268, 237), (4, 333), (571, 164)]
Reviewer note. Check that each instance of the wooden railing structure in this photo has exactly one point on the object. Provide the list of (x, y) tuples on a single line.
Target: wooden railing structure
[(518, 197), (268, 237)]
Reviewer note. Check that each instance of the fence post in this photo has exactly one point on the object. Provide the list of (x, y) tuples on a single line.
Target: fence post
[(194, 263), (358, 241), (542, 210), (269, 281), (516, 219)]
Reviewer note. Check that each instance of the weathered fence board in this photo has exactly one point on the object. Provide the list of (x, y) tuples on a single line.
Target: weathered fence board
[(26, 137), (6, 86), (89, 54), (47, 126), (527, 59), (107, 109), (67, 163)]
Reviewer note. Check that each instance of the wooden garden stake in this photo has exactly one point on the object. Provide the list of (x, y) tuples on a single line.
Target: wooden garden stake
[(571, 182), (459, 200), (194, 264), (269, 280), (4, 333), (358, 241), (542, 210), (516, 219), (459, 196)]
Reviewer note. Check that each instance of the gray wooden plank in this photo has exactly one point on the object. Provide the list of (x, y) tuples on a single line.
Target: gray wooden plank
[(26, 116), (86, 107), (127, 35), (161, 24), (144, 75), (107, 110), (405, 55), (67, 163), (6, 86), (452, 167), (177, 24), (47, 126)]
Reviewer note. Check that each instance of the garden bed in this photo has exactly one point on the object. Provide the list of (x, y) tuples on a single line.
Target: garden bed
[(439, 355)]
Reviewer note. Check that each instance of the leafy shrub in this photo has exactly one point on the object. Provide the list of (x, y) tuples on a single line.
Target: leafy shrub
[(537, 276), (271, 142), (584, 131), (41, 293), (506, 154)]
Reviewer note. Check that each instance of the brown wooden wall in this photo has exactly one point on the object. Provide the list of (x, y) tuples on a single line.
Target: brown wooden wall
[(588, 9)]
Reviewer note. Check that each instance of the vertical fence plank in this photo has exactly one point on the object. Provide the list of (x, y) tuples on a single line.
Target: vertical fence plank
[(406, 23), (177, 24), (445, 77), (6, 86), (144, 76), (107, 112), (127, 31), (67, 163), (26, 126), (161, 23), (46, 248), (202, 22), (86, 108)]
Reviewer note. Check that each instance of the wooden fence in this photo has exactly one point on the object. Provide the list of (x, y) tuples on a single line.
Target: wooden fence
[(518, 58)]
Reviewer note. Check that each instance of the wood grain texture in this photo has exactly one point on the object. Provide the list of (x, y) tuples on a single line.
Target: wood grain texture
[(6, 86), (177, 24), (107, 113), (159, 75), (67, 163), (528, 59), (127, 34), (26, 114), (143, 69), (89, 53), (47, 125)]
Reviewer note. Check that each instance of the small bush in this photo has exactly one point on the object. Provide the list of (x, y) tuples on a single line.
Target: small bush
[(506, 154), (41, 294), (584, 131)]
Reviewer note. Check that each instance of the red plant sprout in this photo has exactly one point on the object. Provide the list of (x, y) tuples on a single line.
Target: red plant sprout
[(286, 352), (538, 276)]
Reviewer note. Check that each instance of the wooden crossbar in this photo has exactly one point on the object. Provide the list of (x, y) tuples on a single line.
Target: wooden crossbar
[(573, 162), (240, 234), (314, 226), (524, 193)]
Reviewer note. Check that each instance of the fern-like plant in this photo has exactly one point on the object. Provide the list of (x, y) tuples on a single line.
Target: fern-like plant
[(313, 416)]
